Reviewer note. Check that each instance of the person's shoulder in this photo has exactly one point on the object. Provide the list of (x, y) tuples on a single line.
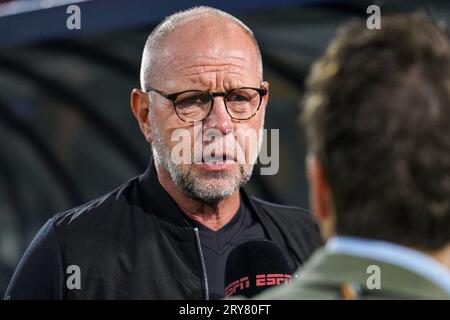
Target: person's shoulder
[(298, 291), (98, 210), (284, 212)]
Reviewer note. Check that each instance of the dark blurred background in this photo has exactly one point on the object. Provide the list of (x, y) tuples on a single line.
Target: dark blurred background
[(66, 131)]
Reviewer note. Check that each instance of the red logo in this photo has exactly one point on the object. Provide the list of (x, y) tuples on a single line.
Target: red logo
[(272, 279), (242, 283)]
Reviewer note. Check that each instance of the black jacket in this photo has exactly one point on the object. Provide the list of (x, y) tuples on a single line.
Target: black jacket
[(135, 243)]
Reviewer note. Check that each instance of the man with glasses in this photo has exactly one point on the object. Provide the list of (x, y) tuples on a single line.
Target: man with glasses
[(167, 233)]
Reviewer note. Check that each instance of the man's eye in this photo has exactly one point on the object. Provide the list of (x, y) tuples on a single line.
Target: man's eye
[(237, 98), (193, 100)]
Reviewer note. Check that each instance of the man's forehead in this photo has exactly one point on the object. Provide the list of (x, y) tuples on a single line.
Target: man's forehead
[(212, 55), (231, 65)]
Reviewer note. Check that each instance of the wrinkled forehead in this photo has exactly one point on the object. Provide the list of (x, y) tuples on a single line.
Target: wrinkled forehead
[(209, 41)]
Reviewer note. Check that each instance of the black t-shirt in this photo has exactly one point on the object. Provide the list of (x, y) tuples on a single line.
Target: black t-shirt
[(217, 245)]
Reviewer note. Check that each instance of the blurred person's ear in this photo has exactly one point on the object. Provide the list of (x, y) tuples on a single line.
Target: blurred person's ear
[(140, 105), (442, 255), (320, 197)]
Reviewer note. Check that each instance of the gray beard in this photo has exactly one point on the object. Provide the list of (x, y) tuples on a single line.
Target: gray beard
[(200, 186), (195, 187)]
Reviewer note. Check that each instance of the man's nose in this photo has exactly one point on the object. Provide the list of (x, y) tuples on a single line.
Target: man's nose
[(219, 118)]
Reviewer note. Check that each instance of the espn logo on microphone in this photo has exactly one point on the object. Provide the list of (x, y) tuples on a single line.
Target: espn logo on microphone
[(241, 284), (261, 280), (272, 279)]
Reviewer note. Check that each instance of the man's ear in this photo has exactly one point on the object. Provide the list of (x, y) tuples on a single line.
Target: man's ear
[(140, 105), (265, 99), (320, 196)]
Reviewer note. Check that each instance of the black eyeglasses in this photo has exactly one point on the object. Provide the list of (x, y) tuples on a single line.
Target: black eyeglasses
[(195, 105)]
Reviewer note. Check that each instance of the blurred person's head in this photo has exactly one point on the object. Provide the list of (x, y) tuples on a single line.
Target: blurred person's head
[(377, 118), (208, 50)]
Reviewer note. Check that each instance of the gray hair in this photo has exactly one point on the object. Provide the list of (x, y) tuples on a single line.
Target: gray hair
[(148, 71)]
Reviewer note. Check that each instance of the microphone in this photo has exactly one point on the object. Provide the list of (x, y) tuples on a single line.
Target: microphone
[(254, 266)]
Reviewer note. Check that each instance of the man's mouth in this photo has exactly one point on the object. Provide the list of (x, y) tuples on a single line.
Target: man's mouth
[(217, 163)]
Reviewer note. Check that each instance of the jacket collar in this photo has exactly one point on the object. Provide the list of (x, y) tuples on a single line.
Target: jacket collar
[(157, 199)]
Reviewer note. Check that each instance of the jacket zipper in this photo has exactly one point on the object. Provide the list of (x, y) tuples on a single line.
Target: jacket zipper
[(202, 261)]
